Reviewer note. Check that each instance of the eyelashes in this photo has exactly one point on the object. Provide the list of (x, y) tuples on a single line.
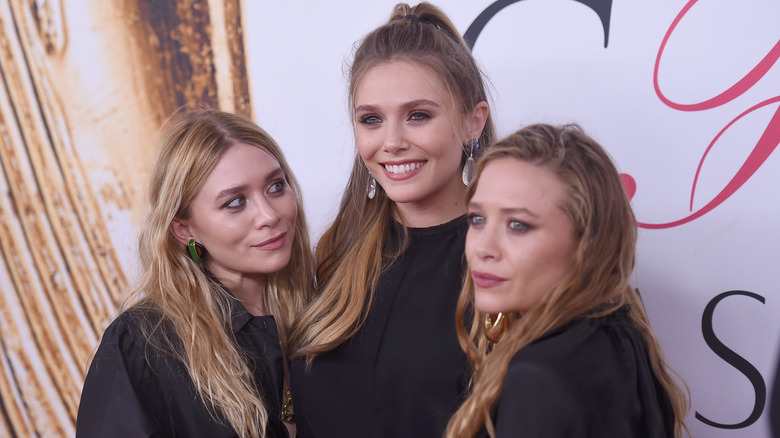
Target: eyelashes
[(414, 116), (277, 187), (517, 226)]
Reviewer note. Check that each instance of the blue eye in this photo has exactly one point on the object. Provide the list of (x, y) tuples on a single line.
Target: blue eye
[(475, 219), (517, 226), (370, 119), (419, 116)]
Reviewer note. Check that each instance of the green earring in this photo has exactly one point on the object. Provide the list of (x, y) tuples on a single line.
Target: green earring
[(196, 250)]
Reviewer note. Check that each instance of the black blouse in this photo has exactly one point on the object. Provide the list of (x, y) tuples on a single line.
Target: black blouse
[(134, 390), (403, 374), (591, 378)]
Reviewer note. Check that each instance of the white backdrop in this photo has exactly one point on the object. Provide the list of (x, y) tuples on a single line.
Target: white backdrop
[(710, 282)]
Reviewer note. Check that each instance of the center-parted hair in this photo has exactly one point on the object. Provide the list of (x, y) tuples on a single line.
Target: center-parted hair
[(598, 283), (192, 314), (349, 254)]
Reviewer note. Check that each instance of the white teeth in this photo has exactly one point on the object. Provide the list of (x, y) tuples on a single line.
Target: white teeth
[(396, 169)]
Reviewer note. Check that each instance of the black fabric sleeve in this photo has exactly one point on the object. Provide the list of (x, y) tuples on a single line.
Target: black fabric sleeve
[(118, 398)]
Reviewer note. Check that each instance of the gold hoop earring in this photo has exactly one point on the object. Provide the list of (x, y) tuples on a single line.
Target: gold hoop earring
[(494, 326)]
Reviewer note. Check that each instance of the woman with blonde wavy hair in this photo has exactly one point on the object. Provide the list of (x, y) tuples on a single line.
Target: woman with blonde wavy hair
[(376, 354), (560, 342), (226, 264)]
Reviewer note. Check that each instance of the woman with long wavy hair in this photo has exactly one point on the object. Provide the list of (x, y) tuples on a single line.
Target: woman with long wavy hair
[(225, 266), (560, 342), (376, 354)]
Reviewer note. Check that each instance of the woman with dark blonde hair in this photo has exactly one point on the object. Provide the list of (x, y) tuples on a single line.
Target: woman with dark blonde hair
[(376, 354), (226, 264), (560, 343)]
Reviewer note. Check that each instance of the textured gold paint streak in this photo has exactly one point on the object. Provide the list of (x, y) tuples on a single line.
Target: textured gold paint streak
[(220, 59), (31, 389), (65, 274), (14, 420), (72, 196), (20, 275), (31, 298), (235, 43), (33, 219), (41, 214), (192, 34)]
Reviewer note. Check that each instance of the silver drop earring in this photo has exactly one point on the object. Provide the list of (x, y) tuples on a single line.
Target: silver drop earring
[(371, 187), (468, 168)]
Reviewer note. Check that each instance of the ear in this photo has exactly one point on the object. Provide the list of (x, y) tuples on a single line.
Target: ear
[(181, 231), (475, 122)]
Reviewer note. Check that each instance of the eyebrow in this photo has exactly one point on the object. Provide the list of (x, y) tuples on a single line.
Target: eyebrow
[(231, 191), (507, 210), (405, 105)]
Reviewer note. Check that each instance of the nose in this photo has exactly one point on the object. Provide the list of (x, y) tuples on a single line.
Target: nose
[(484, 243), (265, 214), (394, 139)]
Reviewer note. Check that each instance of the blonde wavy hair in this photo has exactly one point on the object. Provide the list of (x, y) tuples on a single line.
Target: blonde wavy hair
[(191, 315), (605, 226), (349, 254)]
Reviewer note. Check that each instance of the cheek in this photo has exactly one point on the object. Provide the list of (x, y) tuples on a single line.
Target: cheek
[(366, 147), (290, 208), (469, 250)]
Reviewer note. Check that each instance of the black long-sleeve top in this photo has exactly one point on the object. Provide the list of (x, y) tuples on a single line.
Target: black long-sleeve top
[(403, 374), (134, 390), (591, 378)]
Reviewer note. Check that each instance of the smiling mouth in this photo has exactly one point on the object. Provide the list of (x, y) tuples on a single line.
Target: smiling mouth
[(403, 168)]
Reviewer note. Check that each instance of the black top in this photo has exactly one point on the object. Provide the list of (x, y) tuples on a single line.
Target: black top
[(126, 395), (403, 374), (591, 378)]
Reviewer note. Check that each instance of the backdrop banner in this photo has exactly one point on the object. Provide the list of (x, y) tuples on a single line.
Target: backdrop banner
[(684, 96), (682, 93)]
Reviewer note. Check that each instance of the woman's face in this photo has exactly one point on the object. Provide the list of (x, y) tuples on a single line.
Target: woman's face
[(410, 137), (520, 243), (244, 215)]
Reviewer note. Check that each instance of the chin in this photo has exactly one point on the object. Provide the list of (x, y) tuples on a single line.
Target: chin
[(491, 306)]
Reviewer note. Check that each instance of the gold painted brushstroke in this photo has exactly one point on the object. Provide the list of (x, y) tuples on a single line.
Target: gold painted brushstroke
[(32, 267), (238, 60), (62, 278)]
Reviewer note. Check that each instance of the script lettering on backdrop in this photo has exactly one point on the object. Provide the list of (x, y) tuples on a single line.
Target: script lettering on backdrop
[(764, 147), (761, 151)]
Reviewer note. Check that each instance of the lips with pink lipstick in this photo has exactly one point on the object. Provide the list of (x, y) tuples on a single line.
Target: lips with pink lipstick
[(401, 170), (485, 280), (273, 243)]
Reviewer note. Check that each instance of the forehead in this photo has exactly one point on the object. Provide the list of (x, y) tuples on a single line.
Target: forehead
[(513, 183), (402, 79), (243, 159)]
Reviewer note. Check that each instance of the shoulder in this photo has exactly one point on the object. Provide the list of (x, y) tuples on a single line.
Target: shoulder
[(129, 335), (556, 363), (584, 341), (568, 378)]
